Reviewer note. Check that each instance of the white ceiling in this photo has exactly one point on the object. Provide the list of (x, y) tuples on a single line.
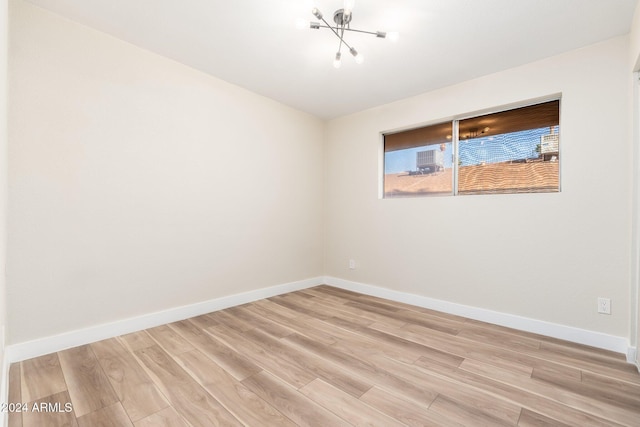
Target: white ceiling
[(255, 44)]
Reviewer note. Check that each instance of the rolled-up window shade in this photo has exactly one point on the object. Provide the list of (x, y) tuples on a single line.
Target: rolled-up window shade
[(428, 135), (533, 117)]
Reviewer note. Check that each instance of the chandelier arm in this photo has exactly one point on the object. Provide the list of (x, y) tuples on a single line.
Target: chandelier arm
[(335, 32), (341, 39), (375, 33)]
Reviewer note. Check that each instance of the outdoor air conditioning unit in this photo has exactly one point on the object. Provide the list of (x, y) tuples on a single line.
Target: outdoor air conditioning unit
[(430, 161)]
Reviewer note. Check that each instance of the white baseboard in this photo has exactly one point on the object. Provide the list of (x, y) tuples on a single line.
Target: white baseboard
[(569, 333), (41, 346), (632, 357)]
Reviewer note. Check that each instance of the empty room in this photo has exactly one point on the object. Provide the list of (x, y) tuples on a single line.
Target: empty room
[(319, 213)]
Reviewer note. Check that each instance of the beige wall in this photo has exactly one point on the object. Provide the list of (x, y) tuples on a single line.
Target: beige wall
[(3, 171), (634, 59), (542, 256), (137, 184), (634, 40)]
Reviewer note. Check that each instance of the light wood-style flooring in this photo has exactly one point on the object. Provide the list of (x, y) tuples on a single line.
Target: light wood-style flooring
[(328, 357)]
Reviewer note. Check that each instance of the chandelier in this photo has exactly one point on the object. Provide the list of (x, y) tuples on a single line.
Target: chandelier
[(342, 19)]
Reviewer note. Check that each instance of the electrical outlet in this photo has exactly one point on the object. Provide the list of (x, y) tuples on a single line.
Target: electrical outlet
[(352, 264), (604, 305)]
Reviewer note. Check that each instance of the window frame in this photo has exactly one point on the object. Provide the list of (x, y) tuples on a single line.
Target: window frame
[(455, 141)]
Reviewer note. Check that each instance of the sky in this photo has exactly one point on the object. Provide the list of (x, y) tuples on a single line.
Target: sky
[(491, 149)]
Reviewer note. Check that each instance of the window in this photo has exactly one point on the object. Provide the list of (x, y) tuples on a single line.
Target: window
[(419, 162), (513, 151)]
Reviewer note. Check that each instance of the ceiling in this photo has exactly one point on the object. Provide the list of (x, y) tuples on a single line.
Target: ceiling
[(255, 44)]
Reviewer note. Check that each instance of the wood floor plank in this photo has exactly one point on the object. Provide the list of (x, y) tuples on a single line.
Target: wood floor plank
[(41, 376), (186, 396), (422, 394), (400, 315), (572, 394), (575, 346), (615, 368), (627, 399), (170, 340), (345, 406), (262, 309), (377, 305), (533, 419), (500, 385), (297, 407), (267, 304), (301, 323), (168, 417), (503, 340), (137, 340), (135, 390), (274, 363), (464, 414), (110, 416), (350, 334), (380, 342), (316, 366), (333, 299), (332, 290), (484, 369), (203, 321), (323, 309), (487, 349), (312, 328), (612, 385), (15, 395), (503, 331), (432, 355), (53, 418), (462, 347), (295, 305), (235, 363), (245, 405), (557, 374), (451, 388), (584, 352), (355, 315), (89, 387), (353, 296), (260, 322), (224, 318), (405, 411)]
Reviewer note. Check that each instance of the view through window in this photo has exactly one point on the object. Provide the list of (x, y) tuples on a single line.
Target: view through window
[(513, 151)]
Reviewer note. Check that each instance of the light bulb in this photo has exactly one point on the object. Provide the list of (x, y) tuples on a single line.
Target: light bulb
[(337, 62), (348, 6), (301, 24), (316, 13), (393, 36), (359, 58)]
